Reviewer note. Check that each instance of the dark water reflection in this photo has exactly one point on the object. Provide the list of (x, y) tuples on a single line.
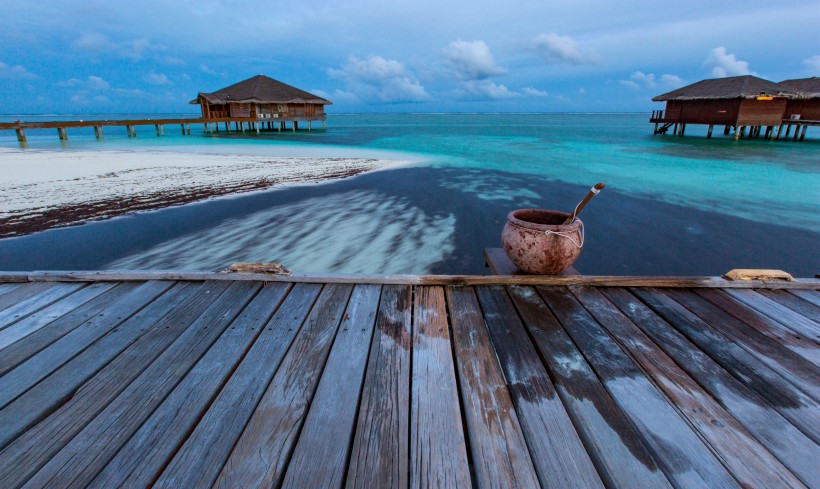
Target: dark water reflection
[(414, 220)]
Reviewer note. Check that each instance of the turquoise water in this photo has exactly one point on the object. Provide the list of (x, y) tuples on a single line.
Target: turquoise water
[(488, 164)]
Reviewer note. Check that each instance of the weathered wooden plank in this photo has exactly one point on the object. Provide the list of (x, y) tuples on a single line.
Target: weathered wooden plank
[(747, 460), (7, 287), (438, 453), (790, 401), (796, 304), (790, 445), (499, 451), (36, 368), (119, 420), (140, 461), (792, 367), (328, 428), (199, 460), (22, 293), (791, 319), (766, 326), (812, 296), (379, 457), (39, 319), (681, 453), (48, 395), (20, 351), (613, 443), (261, 455), (36, 302), (559, 457), (36, 446), (599, 280)]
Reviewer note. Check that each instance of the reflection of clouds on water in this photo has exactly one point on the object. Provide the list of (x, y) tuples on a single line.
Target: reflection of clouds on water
[(353, 232), (492, 187)]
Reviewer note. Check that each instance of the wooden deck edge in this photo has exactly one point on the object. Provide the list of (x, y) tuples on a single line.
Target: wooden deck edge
[(598, 280)]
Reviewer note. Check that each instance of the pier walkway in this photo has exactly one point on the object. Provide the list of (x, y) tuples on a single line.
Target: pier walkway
[(174, 379), (209, 125)]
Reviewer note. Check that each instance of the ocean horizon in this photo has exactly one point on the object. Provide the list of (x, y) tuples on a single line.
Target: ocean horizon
[(672, 206)]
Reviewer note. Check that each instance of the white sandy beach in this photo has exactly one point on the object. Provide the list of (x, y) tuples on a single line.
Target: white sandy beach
[(76, 186)]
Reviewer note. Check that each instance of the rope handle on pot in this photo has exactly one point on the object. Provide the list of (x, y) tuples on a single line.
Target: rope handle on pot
[(568, 234)]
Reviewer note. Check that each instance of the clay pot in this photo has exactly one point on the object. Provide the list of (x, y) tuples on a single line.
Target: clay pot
[(535, 251)]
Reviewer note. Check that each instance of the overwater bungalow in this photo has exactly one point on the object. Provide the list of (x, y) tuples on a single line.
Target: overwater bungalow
[(265, 99), (805, 104), (733, 102)]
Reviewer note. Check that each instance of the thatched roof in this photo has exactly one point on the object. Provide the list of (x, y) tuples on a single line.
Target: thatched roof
[(261, 89), (803, 87), (746, 86)]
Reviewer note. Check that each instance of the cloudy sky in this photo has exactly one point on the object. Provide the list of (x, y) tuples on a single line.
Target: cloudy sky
[(62, 56)]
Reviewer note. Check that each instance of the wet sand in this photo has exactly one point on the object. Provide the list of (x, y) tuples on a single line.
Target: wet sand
[(45, 189)]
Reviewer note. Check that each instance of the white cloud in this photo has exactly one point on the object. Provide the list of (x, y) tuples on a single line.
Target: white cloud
[(639, 79), (471, 60), (534, 92), (377, 78), (173, 61), (207, 69), (94, 42), (671, 81), (560, 49), (725, 64), (487, 90), (156, 79), (90, 83), (15, 71), (337, 96), (813, 63)]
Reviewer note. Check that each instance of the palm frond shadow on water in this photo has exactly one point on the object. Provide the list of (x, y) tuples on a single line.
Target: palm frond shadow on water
[(414, 220)]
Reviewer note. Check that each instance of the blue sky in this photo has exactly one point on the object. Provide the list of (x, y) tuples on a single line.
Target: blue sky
[(111, 56)]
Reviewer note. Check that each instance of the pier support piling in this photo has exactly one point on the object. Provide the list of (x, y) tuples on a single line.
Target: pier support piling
[(98, 132), (132, 131), (709, 132), (62, 133), (21, 135), (726, 130), (160, 129), (788, 130), (803, 132)]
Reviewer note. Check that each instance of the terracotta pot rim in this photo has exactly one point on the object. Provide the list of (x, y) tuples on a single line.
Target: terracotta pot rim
[(574, 226)]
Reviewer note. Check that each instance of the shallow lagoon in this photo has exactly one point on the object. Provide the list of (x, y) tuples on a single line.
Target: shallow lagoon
[(672, 205)]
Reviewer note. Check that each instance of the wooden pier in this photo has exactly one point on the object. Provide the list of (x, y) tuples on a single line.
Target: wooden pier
[(664, 125), (256, 124), (184, 379)]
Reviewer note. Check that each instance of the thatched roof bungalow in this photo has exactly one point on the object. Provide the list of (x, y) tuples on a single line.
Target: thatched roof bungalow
[(805, 104), (262, 98), (733, 101)]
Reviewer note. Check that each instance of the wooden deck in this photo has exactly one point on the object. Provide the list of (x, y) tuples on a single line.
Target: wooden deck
[(199, 380)]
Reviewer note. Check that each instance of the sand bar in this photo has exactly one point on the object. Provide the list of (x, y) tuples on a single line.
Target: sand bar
[(44, 189)]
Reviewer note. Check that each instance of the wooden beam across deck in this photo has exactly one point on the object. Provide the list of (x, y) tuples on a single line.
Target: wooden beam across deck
[(188, 382)]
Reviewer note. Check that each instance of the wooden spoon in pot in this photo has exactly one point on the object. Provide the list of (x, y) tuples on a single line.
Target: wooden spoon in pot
[(592, 193)]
